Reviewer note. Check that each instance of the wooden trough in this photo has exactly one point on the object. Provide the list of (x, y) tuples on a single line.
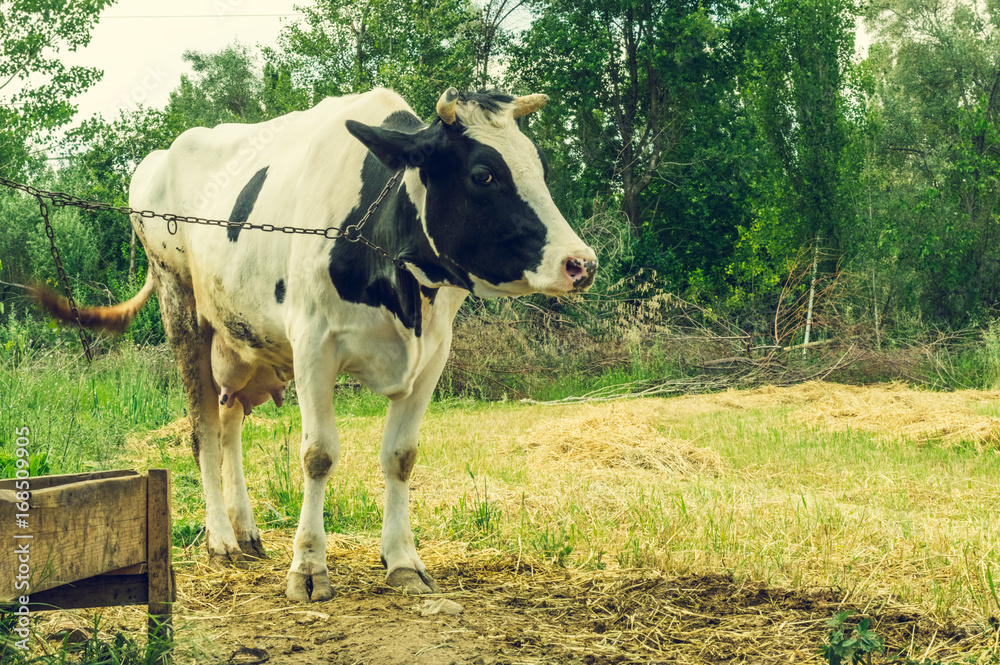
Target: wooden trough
[(89, 540)]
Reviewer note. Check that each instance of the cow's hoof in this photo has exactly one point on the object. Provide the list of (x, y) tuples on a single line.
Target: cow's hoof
[(226, 558), (308, 588), (412, 581), (252, 548)]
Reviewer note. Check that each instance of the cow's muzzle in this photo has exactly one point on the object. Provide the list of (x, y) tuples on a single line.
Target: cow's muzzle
[(580, 272)]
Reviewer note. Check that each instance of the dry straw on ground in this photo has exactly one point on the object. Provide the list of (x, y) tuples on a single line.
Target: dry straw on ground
[(893, 411), (618, 435), (519, 609)]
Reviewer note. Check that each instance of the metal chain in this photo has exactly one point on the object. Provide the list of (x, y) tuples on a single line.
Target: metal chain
[(351, 233), (64, 278)]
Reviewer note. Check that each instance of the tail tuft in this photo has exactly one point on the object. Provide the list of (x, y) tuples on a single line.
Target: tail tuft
[(112, 320)]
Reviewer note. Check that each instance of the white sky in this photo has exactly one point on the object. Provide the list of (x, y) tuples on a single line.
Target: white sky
[(141, 57)]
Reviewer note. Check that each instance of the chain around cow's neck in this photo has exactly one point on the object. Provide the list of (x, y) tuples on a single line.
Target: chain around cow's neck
[(352, 233)]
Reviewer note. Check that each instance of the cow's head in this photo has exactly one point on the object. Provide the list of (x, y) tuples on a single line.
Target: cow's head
[(485, 208)]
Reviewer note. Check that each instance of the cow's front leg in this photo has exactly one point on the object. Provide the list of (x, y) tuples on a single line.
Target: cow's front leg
[(316, 376), (404, 569), (234, 484)]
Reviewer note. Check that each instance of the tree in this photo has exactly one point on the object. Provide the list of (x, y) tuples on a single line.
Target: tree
[(226, 87), (627, 74), (794, 79), (416, 47), (491, 38), (937, 75), (107, 156), (36, 88)]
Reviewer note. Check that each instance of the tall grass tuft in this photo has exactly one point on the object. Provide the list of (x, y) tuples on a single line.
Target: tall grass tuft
[(80, 415)]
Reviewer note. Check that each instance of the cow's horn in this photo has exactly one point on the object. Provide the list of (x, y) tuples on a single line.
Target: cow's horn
[(528, 103), (446, 106)]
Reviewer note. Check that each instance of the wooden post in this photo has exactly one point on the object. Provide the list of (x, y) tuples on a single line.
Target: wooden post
[(812, 296), (96, 540), (162, 593)]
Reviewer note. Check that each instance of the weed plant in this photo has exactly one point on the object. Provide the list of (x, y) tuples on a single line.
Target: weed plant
[(99, 648)]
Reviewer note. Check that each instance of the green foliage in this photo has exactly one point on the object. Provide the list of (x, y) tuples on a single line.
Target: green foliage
[(796, 59), (351, 510), (554, 545), (283, 489), (76, 248), (847, 645), (933, 79), (80, 415), (660, 76), (38, 464), (32, 34), (187, 535), (226, 87), (341, 47), (709, 142)]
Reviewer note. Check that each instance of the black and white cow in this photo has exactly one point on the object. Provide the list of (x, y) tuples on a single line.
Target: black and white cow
[(245, 310)]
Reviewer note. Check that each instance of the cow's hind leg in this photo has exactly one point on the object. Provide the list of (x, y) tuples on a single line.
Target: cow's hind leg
[(404, 569), (315, 377), (191, 342), (234, 484)]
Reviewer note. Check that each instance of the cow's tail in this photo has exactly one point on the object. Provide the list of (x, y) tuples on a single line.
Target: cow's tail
[(112, 319)]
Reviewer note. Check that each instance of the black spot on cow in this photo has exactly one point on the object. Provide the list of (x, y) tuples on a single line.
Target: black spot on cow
[(316, 463), (545, 163), (429, 293), (477, 219), (489, 230), (279, 291), (362, 277), (245, 202)]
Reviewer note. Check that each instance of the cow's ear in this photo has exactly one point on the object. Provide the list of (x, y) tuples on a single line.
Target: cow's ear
[(393, 148)]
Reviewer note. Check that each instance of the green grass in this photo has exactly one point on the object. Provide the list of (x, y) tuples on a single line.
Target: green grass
[(99, 648), (796, 503), (80, 415)]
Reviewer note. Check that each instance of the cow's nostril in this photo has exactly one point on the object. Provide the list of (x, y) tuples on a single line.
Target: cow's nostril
[(575, 269)]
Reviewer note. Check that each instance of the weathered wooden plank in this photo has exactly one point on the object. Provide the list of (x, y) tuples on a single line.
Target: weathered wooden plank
[(159, 553), (101, 591), (45, 482), (137, 569), (74, 531)]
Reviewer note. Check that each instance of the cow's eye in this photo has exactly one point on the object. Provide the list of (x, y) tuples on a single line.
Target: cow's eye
[(482, 177)]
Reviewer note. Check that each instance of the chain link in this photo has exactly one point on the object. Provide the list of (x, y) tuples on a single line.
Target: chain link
[(351, 233), (44, 209)]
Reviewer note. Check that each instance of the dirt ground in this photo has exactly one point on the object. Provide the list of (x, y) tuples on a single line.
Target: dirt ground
[(513, 611)]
